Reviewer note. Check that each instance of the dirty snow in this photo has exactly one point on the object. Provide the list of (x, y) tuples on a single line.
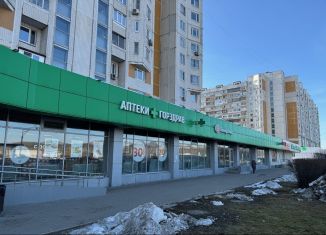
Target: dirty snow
[(287, 178), (268, 184), (239, 196), (262, 191), (144, 219), (217, 203), (204, 222)]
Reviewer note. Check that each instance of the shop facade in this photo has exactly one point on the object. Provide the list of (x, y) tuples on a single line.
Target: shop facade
[(67, 131)]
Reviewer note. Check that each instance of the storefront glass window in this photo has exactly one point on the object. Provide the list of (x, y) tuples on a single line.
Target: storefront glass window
[(244, 156), (75, 161), (143, 153), (51, 153), (97, 142), (225, 156), (260, 156), (193, 155), (21, 152)]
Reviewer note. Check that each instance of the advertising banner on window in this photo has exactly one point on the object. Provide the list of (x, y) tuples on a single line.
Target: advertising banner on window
[(139, 151), (98, 149), (76, 149), (51, 147), (162, 152), (20, 154)]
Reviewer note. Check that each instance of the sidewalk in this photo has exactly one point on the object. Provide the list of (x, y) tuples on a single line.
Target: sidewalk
[(55, 216)]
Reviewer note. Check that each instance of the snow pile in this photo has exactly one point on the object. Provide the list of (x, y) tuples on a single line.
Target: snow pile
[(217, 203), (287, 178), (144, 219), (239, 196), (268, 184), (262, 191), (318, 188), (204, 222)]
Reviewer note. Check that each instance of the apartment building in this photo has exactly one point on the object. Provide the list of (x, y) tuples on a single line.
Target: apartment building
[(114, 41), (181, 52), (268, 102), (227, 102)]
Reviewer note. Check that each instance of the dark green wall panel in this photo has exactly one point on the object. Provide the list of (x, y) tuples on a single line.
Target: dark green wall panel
[(97, 109), (13, 91), (14, 64), (70, 104), (117, 94), (43, 99), (44, 75), (73, 83), (97, 90), (116, 115)]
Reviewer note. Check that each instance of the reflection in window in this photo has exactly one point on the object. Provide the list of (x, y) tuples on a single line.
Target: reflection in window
[(260, 156), (225, 156), (193, 155), (244, 156), (143, 153)]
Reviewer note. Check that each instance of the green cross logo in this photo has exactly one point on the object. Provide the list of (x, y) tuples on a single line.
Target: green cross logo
[(153, 113)]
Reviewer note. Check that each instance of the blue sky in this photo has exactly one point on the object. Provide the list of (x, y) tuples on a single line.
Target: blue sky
[(244, 37)]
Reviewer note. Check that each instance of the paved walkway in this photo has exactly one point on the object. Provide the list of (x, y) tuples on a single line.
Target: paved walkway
[(54, 216)]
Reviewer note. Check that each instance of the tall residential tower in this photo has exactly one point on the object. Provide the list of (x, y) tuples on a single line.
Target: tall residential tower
[(268, 102)]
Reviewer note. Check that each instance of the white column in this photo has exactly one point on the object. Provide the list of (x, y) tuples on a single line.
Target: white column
[(213, 153), (173, 154), (236, 155), (115, 157)]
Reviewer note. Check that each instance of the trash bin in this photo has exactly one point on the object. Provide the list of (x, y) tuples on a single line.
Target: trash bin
[(2, 196)]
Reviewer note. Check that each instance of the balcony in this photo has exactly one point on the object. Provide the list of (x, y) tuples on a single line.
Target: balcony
[(5, 37)]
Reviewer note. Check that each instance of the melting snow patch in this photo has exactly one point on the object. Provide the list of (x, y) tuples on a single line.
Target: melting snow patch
[(204, 222), (239, 196), (268, 184), (262, 191), (217, 203), (144, 219), (286, 178)]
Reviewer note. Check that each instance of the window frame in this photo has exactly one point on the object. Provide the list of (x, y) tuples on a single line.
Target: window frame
[(30, 30)]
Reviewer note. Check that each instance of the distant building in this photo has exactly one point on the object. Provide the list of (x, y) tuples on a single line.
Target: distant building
[(268, 102)]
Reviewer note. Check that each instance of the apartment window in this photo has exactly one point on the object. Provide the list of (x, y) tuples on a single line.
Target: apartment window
[(33, 56), (62, 28), (182, 25), (41, 3), (64, 8), (137, 4), (103, 13), (101, 41), (182, 59), (60, 56), (195, 32), (182, 9), (140, 74), (195, 16), (149, 13), (195, 64), (195, 3), (27, 35), (182, 75), (194, 47), (182, 93), (182, 42), (123, 2), (100, 66), (114, 69), (118, 40), (120, 18), (193, 97), (136, 26), (194, 79), (61, 34), (136, 48)]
